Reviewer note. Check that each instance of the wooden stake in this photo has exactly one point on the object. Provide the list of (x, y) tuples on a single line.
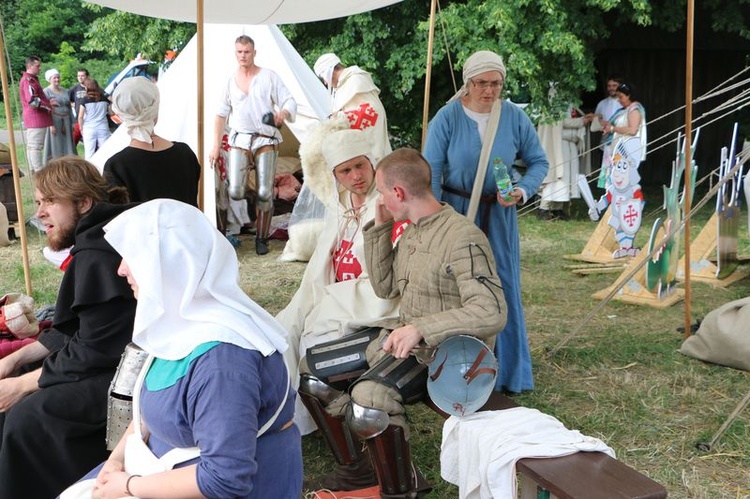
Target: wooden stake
[(14, 165), (428, 73), (688, 141)]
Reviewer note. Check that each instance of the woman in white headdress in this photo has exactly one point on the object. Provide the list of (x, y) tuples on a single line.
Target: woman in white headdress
[(150, 167), (455, 139), (215, 385), (59, 140)]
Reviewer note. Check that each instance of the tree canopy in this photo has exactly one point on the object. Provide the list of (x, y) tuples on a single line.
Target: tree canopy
[(543, 42)]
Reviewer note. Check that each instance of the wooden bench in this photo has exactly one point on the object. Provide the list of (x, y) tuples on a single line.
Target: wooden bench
[(583, 475)]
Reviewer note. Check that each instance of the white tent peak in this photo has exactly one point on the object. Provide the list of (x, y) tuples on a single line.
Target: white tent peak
[(251, 12)]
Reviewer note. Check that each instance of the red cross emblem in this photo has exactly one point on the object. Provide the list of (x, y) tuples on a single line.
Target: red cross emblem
[(630, 216), (361, 117)]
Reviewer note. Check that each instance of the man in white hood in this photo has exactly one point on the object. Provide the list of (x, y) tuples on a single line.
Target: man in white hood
[(335, 297), (354, 94)]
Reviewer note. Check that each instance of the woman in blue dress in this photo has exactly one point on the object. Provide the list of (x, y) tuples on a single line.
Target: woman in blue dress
[(217, 387), (454, 141)]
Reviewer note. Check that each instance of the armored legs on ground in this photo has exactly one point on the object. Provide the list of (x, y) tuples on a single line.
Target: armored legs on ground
[(265, 172), (374, 414)]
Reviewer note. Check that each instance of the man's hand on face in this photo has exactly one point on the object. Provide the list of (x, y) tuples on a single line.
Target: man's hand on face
[(382, 215)]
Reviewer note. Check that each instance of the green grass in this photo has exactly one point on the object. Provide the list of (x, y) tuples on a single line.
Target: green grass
[(620, 378)]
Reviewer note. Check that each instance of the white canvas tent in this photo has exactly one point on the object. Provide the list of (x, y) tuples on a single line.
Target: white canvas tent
[(231, 11), (178, 107)]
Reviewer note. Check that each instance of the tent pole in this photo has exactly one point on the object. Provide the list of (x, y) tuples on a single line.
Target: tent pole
[(428, 72), (199, 86), (14, 166), (688, 159)]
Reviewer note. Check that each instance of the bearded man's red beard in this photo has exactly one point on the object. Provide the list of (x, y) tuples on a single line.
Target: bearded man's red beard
[(63, 236)]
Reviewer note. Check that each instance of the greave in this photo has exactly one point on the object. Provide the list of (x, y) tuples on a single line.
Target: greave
[(343, 444), (263, 223), (391, 458), (353, 467)]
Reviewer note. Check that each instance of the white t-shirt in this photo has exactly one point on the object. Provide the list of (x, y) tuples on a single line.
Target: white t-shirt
[(245, 110), (607, 107)]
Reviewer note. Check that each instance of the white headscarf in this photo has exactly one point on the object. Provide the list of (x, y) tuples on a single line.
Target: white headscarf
[(478, 63), (324, 67), (50, 73), (343, 145), (136, 101), (187, 275)]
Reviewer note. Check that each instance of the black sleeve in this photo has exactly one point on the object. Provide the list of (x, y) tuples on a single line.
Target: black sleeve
[(53, 340), (105, 329)]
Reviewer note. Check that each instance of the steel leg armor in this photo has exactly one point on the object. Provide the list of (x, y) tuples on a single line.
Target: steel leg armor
[(237, 172), (389, 450), (265, 171), (353, 470), (316, 395)]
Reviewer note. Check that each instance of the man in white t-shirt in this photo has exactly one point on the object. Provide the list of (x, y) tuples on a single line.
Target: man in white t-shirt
[(254, 103), (607, 106)]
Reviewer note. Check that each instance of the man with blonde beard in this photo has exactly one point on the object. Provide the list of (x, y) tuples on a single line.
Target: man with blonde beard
[(54, 392)]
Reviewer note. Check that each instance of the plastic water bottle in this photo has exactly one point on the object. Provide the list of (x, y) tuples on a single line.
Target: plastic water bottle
[(502, 179)]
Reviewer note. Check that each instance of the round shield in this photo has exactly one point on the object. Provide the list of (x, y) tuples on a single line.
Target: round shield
[(462, 375)]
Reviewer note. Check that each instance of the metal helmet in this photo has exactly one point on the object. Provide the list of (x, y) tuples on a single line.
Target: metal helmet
[(461, 375)]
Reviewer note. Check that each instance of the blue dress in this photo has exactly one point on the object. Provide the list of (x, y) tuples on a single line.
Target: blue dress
[(452, 148), (224, 395)]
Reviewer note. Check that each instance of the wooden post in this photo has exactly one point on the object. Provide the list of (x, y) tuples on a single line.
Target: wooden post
[(428, 73), (14, 165), (688, 158)]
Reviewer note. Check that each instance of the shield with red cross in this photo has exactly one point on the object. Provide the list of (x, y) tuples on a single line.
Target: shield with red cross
[(630, 216), (361, 117)]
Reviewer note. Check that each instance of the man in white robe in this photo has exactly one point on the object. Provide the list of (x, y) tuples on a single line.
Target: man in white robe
[(354, 94), (335, 296)]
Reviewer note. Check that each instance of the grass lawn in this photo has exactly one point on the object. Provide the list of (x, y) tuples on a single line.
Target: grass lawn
[(620, 378)]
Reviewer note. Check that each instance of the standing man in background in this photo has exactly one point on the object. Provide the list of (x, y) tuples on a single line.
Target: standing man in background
[(255, 102), (604, 111), (76, 95), (37, 113)]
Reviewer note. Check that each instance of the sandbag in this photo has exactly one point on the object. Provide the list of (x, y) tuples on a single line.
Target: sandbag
[(723, 337)]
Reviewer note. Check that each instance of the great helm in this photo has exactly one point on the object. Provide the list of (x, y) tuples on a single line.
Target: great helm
[(461, 375)]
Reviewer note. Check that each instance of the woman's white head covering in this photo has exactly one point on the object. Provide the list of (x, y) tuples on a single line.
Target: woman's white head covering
[(187, 275), (324, 67), (136, 101), (476, 64), (50, 73)]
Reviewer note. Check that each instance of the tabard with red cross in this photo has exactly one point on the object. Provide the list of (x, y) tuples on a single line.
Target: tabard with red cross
[(363, 116)]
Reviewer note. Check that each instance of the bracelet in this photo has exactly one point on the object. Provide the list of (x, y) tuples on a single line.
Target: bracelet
[(127, 485)]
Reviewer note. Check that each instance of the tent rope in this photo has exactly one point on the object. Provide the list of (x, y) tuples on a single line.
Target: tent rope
[(447, 48), (738, 102)]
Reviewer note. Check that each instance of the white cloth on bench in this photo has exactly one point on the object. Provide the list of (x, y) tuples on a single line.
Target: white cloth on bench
[(479, 452)]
